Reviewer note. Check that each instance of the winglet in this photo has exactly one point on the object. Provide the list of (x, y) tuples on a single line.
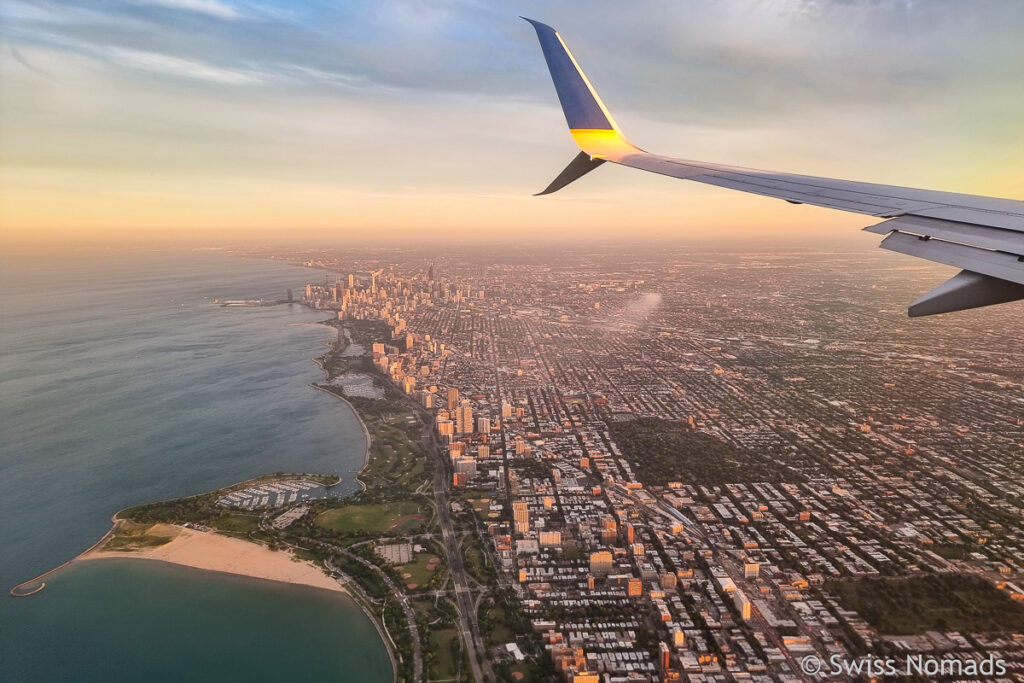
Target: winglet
[(590, 122), (581, 165), (581, 104)]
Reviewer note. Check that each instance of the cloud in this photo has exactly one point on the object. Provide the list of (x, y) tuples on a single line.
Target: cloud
[(184, 68), (453, 98), (209, 7)]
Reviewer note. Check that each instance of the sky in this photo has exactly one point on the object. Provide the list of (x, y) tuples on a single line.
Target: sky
[(226, 122)]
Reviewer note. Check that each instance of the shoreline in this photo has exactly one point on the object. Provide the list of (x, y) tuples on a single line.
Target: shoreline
[(356, 592), (216, 552), (42, 584), (319, 360), (210, 551), (366, 432)]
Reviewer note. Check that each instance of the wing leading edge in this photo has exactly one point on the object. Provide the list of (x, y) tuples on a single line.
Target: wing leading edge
[(984, 236)]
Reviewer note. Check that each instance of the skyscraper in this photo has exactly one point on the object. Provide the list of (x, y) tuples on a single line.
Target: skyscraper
[(464, 418)]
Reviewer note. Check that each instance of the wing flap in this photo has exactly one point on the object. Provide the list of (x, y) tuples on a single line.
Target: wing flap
[(969, 213), (997, 239), (995, 263)]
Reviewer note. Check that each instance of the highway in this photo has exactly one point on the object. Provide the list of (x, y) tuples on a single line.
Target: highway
[(468, 623)]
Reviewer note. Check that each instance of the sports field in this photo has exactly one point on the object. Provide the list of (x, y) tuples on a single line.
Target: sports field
[(397, 517)]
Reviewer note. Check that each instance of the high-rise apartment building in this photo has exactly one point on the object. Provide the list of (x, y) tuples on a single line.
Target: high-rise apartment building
[(464, 418), (521, 516)]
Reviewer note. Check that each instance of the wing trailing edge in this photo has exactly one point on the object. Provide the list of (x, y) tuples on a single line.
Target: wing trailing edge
[(984, 236)]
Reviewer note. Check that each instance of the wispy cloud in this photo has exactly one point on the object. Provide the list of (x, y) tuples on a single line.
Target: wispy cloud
[(184, 68), (212, 8)]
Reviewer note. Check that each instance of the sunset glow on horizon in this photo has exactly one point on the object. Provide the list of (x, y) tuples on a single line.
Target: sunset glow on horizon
[(214, 122)]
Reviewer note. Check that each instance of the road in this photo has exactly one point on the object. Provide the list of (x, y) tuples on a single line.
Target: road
[(403, 601), (468, 623)]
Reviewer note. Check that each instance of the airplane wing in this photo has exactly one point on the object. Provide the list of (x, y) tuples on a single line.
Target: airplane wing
[(983, 236)]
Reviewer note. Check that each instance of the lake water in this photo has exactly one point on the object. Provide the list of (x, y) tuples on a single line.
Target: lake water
[(121, 383)]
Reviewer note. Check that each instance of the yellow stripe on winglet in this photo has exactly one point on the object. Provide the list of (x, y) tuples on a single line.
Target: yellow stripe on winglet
[(603, 143)]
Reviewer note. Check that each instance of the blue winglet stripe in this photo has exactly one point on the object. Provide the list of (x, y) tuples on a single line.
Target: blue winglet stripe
[(580, 108)]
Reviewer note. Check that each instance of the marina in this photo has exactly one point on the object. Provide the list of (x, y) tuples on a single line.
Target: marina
[(276, 494)]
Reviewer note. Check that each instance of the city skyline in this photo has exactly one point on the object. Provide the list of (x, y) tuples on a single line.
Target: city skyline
[(559, 464), (206, 122), (722, 480)]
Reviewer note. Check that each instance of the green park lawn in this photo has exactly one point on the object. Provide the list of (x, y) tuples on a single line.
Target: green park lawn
[(417, 569), (445, 646), (237, 522), (378, 518), (133, 536)]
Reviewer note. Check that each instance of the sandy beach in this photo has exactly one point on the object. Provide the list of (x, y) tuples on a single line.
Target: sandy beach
[(214, 552)]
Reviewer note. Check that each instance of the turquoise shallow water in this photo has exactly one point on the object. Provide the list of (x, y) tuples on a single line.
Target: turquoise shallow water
[(150, 621), (121, 383)]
